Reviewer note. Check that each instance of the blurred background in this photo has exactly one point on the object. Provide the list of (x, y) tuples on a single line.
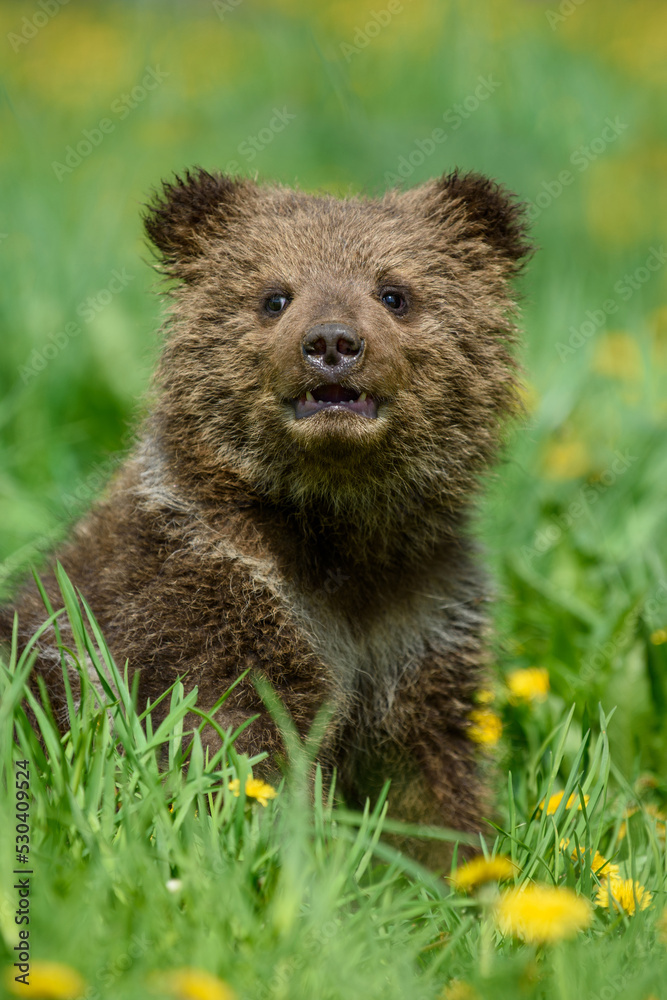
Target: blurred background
[(563, 102)]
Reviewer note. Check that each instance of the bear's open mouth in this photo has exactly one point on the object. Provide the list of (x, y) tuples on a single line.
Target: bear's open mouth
[(335, 397)]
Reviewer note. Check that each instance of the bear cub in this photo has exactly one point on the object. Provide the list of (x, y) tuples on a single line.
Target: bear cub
[(334, 380)]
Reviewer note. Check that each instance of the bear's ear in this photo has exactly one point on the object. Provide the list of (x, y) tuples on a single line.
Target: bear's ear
[(480, 209), (187, 212)]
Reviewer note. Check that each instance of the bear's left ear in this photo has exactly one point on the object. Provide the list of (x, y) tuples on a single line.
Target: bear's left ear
[(474, 207)]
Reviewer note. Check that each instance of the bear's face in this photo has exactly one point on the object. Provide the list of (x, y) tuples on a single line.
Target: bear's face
[(335, 350)]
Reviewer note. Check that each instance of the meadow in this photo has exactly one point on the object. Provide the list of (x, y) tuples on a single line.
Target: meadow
[(191, 881)]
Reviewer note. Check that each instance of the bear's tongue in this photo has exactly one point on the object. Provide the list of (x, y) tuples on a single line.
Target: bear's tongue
[(325, 396)]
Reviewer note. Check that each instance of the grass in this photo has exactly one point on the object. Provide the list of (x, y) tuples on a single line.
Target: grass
[(291, 900), (146, 861)]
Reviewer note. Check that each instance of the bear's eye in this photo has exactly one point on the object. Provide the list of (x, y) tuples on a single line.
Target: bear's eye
[(277, 302), (395, 301)]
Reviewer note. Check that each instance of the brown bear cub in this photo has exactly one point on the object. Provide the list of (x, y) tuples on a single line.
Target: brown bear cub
[(334, 379)]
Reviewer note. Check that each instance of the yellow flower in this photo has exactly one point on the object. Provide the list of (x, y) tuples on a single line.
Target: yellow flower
[(659, 636), (47, 981), (556, 800), (528, 685), (623, 894), (659, 816), (191, 984), (599, 865), (541, 913), (617, 355), (486, 727), (458, 989), (603, 868), (653, 812), (254, 789), (566, 460), (486, 696), (479, 870)]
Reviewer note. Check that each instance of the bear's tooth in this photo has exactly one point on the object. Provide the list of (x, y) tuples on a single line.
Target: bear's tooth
[(309, 397), (362, 397)]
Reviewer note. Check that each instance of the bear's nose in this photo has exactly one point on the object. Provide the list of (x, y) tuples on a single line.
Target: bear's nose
[(332, 347)]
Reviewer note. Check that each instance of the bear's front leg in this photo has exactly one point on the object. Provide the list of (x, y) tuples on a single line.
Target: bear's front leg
[(424, 747)]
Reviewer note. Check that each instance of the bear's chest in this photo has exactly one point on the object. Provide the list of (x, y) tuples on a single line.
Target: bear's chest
[(373, 651)]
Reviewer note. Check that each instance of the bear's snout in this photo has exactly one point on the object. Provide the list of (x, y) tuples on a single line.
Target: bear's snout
[(332, 349)]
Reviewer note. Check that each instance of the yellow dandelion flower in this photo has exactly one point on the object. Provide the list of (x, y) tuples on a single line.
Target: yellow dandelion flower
[(661, 820), (259, 790), (623, 895), (255, 788), (458, 989), (567, 460), (659, 636), (528, 685), (486, 727), (650, 810), (540, 913), (557, 798), (486, 696), (599, 865), (603, 868), (191, 984), (617, 355), (480, 870), (47, 981)]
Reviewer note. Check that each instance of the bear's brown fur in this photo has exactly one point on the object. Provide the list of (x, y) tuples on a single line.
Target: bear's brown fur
[(329, 553)]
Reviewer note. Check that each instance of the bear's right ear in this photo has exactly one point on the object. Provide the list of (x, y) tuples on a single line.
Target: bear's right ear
[(181, 219)]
